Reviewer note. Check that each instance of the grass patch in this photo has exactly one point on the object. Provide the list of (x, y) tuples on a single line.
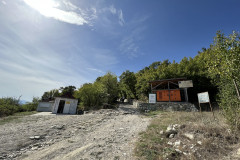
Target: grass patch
[(15, 118), (152, 113), (152, 145)]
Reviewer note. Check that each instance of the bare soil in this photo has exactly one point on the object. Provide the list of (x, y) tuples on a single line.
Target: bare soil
[(104, 134)]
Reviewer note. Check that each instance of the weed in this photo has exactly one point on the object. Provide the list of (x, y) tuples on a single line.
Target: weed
[(213, 133), (15, 118)]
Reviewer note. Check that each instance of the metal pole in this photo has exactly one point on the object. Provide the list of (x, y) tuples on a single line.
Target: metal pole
[(186, 94), (169, 92), (211, 109)]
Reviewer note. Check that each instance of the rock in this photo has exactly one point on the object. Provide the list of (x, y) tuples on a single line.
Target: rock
[(176, 126), (199, 142), (34, 148), (37, 137), (170, 130), (161, 132), (178, 150), (32, 137), (238, 151), (177, 143), (170, 143), (171, 135), (185, 153), (189, 136)]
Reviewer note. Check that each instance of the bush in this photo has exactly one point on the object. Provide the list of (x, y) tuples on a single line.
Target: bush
[(9, 106), (29, 107), (230, 104)]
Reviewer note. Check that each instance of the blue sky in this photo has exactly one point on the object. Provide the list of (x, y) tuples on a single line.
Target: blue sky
[(46, 44)]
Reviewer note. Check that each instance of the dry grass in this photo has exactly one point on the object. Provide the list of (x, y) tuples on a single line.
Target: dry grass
[(213, 133), (15, 118)]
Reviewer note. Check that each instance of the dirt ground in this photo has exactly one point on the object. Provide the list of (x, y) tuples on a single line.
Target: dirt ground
[(104, 134)]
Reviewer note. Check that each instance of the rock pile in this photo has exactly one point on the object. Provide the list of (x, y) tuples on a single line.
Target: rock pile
[(168, 106), (181, 142)]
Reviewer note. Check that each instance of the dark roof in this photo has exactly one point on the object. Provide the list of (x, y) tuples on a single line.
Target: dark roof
[(66, 97), (173, 79)]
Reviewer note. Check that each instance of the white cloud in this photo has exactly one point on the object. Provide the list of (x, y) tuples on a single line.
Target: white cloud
[(3, 2), (120, 17), (49, 8), (129, 44), (69, 5), (95, 70), (112, 9)]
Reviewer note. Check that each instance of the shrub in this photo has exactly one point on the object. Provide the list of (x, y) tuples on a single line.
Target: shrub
[(8, 106)]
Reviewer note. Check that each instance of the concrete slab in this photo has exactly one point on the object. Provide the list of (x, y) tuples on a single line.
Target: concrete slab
[(44, 114)]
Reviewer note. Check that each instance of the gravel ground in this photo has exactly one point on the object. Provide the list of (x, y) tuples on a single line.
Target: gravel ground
[(104, 134)]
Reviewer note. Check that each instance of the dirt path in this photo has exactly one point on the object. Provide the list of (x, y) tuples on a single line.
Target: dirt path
[(104, 134)]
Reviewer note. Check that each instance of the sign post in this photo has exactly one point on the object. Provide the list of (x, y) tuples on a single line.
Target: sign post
[(185, 85), (152, 98), (204, 98)]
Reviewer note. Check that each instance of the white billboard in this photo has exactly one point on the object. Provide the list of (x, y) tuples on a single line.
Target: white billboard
[(185, 84), (203, 97), (152, 98)]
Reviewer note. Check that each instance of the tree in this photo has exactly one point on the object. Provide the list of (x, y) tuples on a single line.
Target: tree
[(224, 69), (110, 82), (91, 96), (67, 91), (127, 84), (49, 95), (31, 106), (226, 58)]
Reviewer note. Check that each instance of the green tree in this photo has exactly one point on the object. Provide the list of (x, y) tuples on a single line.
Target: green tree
[(110, 82), (31, 106), (9, 106), (224, 69), (49, 95), (67, 91), (91, 96), (127, 84)]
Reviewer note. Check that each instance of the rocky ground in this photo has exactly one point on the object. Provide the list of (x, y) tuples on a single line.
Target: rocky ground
[(103, 134)]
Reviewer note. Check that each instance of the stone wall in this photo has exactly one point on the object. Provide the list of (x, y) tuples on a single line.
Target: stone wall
[(166, 106)]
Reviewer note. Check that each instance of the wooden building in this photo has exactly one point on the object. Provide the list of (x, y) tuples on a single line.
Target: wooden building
[(167, 90)]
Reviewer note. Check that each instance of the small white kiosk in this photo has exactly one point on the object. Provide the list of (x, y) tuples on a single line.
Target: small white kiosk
[(65, 105)]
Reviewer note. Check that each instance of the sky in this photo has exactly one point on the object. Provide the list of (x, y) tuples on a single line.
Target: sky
[(47, 44)]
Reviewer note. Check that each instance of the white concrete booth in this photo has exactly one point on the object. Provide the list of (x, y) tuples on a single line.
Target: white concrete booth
[(65, 106), (45, 106)]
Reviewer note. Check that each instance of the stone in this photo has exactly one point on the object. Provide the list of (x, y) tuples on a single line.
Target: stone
[(34, 148), (177, 143), (170, 143), (37, 137), (178, 150), (32, 137), (171, 135), (176, 126), (169, 128), (161, 132), (189, 136), (199, 142), (185, 153), (238, 151)]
